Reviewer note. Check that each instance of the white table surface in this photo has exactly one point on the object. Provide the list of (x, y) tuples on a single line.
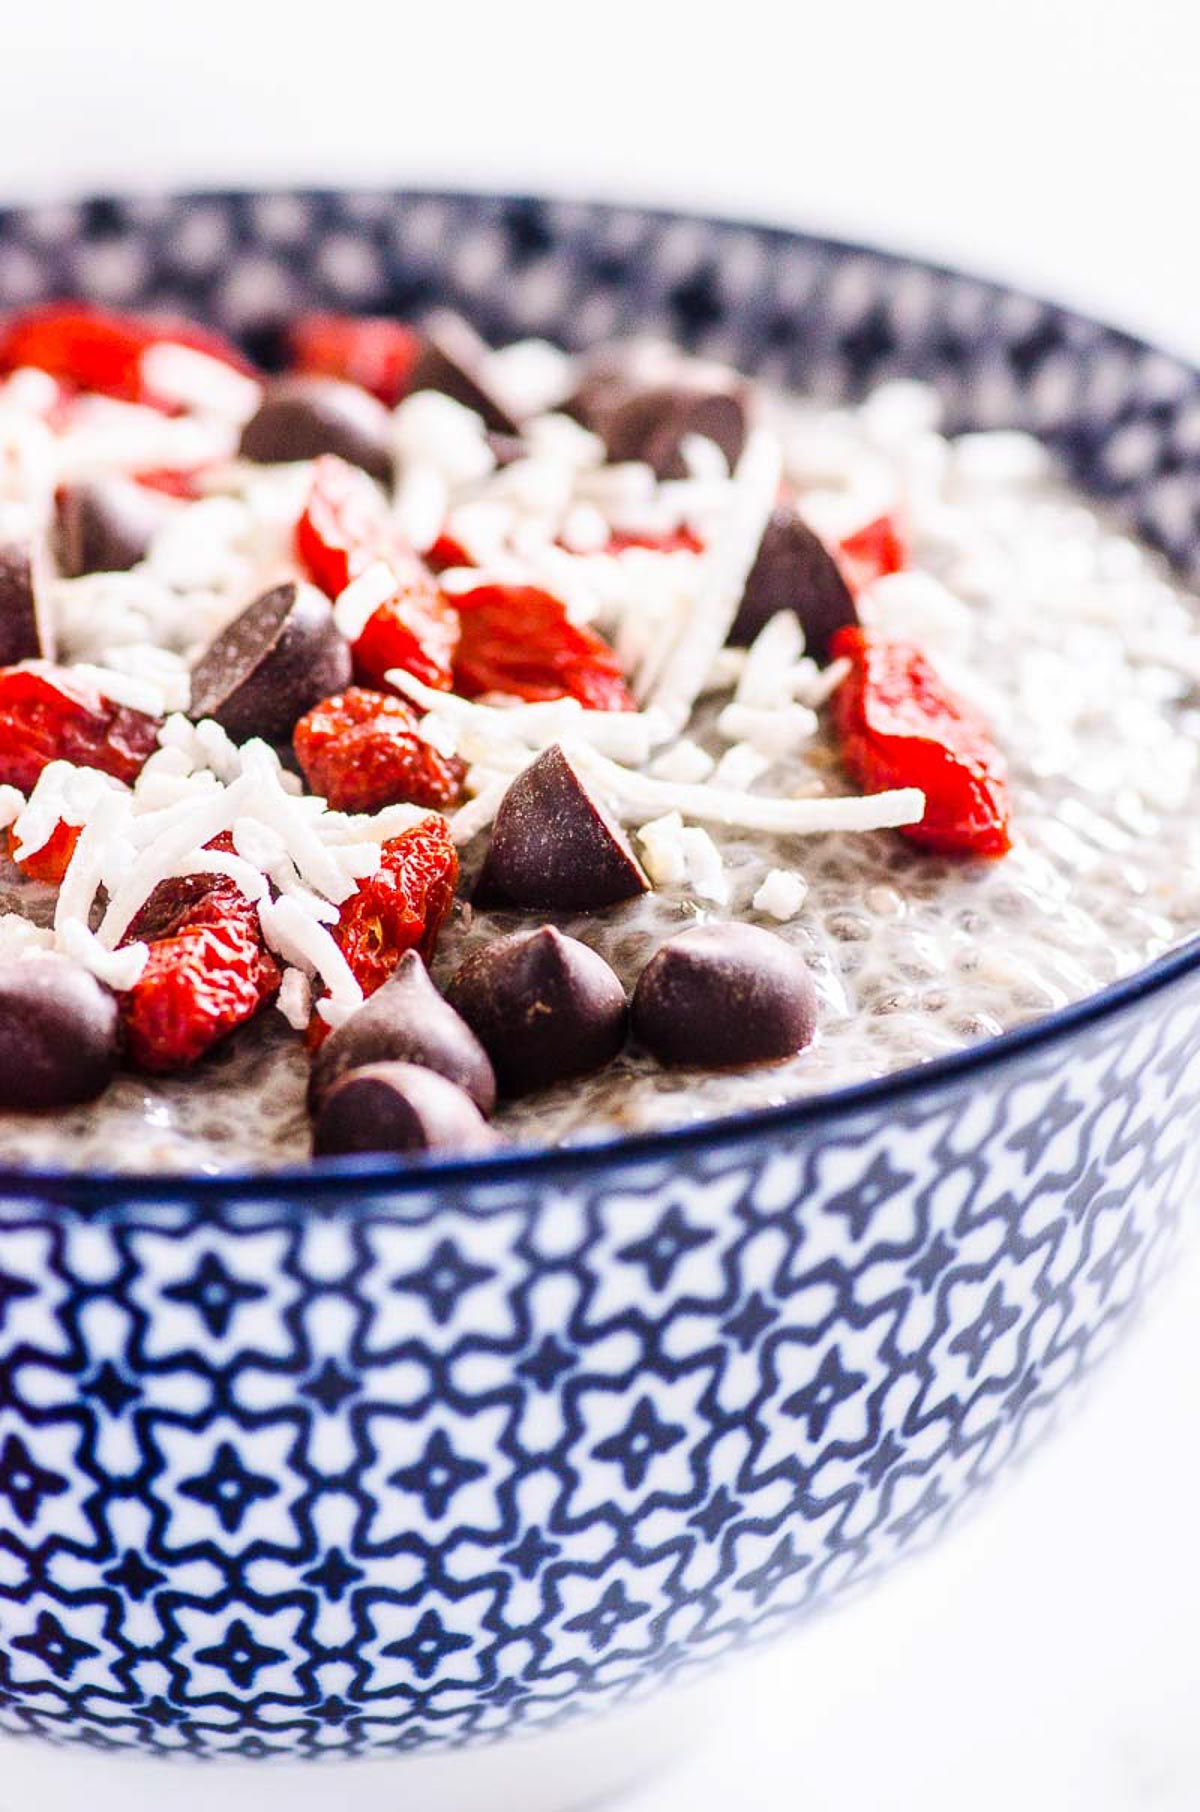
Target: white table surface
[(1046, 1658)]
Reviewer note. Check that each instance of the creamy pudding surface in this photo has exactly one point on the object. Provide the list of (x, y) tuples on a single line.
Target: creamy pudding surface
[(1071, 642)]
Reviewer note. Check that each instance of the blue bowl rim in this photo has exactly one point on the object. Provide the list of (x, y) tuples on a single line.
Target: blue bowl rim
[(362, 1177)]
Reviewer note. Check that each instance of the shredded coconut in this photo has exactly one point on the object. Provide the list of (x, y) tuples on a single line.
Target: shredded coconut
[(663, 851), (639, 797), (781, 894), (194, 380), (684, 761), (19, 935)]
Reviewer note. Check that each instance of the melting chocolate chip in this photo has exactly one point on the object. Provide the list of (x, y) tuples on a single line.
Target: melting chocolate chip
[(652, 425), (26, 633), (555, 847), (398, 1107), (544, 1007), (58, 1033), (794, 570), (104, 525), (406, 1021), (303, 417), (451, 361), (724, 996), (280, 657)]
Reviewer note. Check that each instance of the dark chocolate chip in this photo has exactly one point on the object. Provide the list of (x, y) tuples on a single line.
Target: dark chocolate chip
[(612, 374), (303, 417), (406, 1021), (794, 571), (544, 1007), (280, 657), (723, 996), (26, 633), (651, 425), (555, 847), (104, 525), (398, 1107), (58, 1033), (451, 361)]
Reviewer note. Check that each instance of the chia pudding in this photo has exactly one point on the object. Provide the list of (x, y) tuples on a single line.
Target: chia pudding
[(613, 639)]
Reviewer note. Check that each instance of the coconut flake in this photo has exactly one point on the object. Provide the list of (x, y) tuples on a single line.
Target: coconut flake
[(119, 969), (740, 767), (726, 567), (766, 676), (684, 760), (194, 380), (294, 999), (12, 804), (529, 376), (663, 851), (19, 935), (625, 735), (705, 866), (781, 894), (639, 797), (422, 499), (773, 731)]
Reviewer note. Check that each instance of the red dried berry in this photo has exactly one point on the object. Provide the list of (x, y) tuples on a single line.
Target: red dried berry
[(402, 906), (447, 552), (51, 861), (417, 630), (169, 481), (370, 350), (519, 640), (96, 351), (362, 750), (345, 527), (208, 972), (900, 726), (682, 540), (872, 553), (48, 714)]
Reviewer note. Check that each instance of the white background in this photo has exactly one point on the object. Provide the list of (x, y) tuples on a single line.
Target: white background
[(1047, 1658)]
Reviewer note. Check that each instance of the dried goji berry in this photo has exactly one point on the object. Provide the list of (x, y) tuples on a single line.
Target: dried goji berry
[(900, 726), (94, 350), (871, 553), (346, 526), (362, 750), (174, 481), (48, 714), (51, 861), (402, 906), (370, 350), (519, 640), (208, 971), (417, 630), (682, 540), (447, 552)]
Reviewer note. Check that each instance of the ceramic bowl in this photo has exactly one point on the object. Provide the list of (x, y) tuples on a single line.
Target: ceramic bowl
[(402, 1464)]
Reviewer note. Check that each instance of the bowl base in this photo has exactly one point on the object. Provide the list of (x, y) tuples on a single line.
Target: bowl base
[(570, 1770)]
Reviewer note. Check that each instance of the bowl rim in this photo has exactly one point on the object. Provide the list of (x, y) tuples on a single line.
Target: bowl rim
[(358, 1180)]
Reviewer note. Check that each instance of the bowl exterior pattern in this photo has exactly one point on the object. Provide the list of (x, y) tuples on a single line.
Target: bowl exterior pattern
[(386, 1470), (420, 1468)]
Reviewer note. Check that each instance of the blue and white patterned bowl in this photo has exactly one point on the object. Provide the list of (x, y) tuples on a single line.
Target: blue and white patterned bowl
[(361, 1463)]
